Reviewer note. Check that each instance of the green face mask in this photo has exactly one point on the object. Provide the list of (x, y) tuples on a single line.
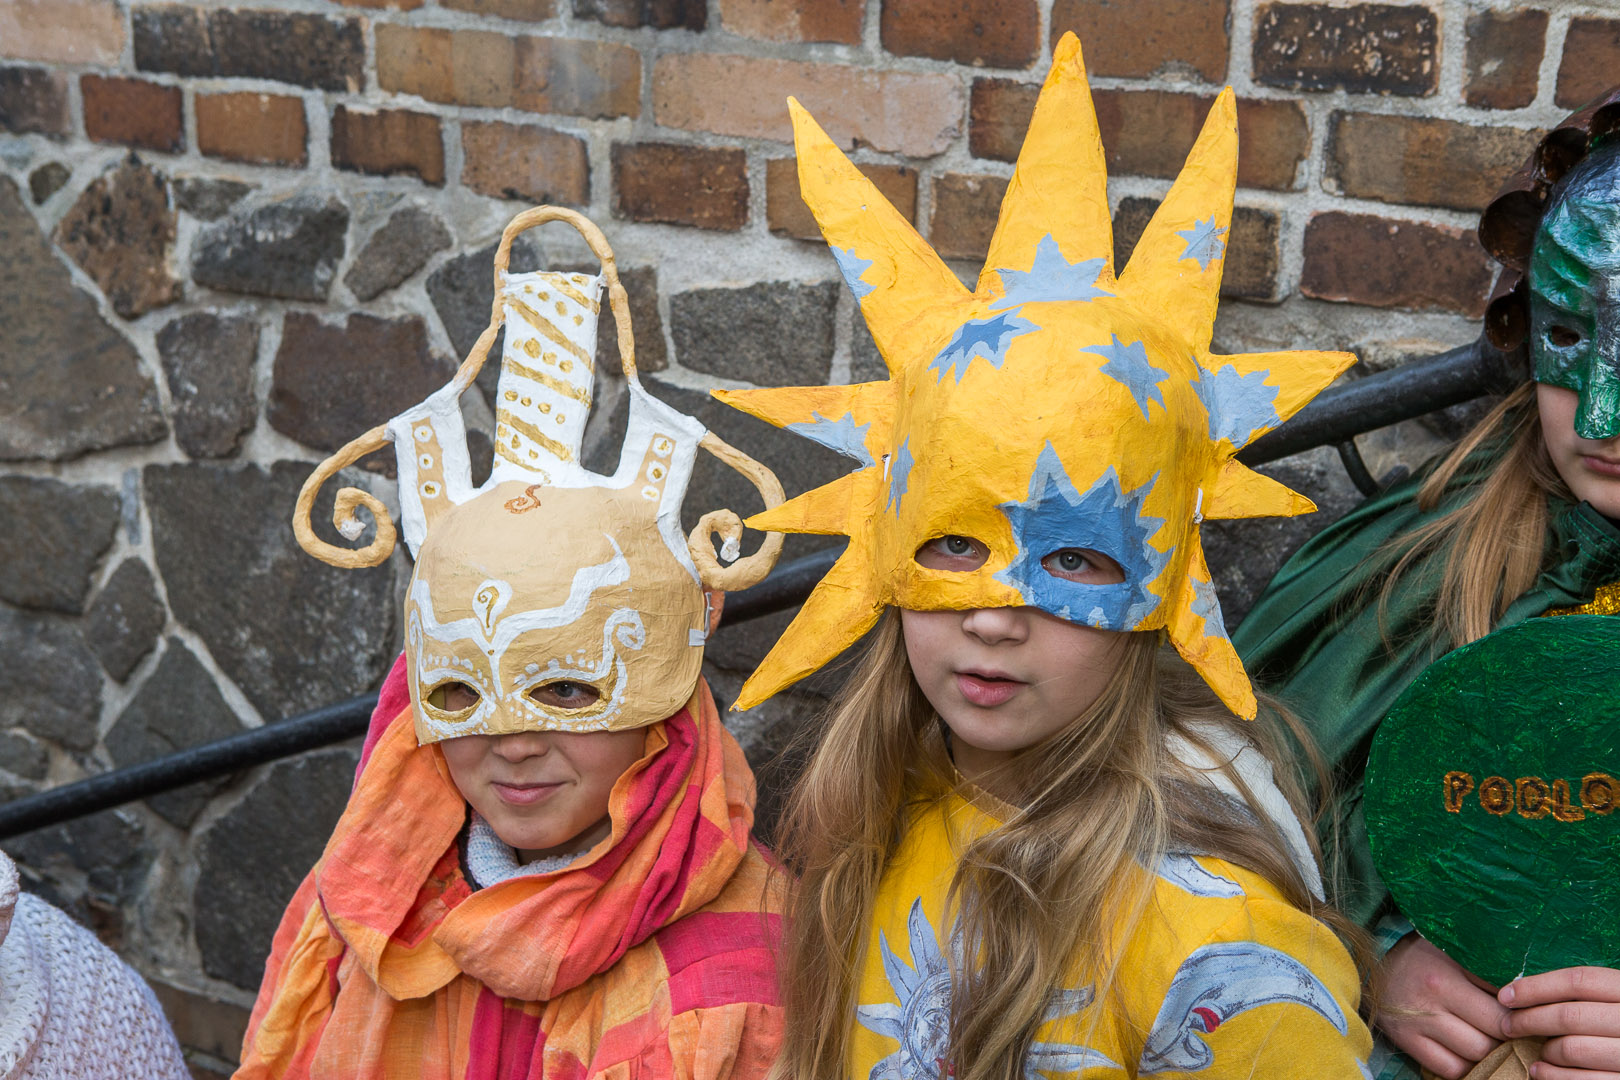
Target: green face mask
[(1575, 294)]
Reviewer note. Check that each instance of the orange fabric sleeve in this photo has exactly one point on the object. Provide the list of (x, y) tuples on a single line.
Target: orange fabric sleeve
[(296, 995)]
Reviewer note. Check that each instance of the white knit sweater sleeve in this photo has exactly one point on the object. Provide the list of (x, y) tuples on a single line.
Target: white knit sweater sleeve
[(70, 1008)]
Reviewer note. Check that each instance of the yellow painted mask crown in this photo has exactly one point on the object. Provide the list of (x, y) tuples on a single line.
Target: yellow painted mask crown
[(1057, 405)]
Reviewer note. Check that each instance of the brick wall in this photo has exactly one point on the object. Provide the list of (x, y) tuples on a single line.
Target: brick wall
[(239, 234)]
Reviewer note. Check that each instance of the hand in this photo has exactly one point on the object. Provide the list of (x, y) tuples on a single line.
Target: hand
[(1578, 1009), (1435, 1011)]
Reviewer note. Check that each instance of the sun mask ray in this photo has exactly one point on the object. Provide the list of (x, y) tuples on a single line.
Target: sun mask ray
[(1175, 270), (1249, 394), (845, 598), (1060, 186), (904, 290), (1240, 492), (824, 510), (1197, 631)]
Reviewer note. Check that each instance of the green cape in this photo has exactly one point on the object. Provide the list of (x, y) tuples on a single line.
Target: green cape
[(1314, 640)]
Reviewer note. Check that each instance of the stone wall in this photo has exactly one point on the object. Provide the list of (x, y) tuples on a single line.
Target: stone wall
[(236, 235)]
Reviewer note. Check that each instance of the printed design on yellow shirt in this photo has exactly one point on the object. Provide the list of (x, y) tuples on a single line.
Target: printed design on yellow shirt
[(921, 1022), (1186, 874), (1216, 983)]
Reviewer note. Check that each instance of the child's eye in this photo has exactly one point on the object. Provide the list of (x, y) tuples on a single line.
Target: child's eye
[(952, 553), (1084, 565), (453, 697), (565, 695), (1563, 337)]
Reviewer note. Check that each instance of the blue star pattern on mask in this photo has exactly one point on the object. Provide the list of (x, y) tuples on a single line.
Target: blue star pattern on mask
[(1104, 519), (843, 435), (1204, 242), (980, 337), (899, 475), (1051, 278), (1238, 405), (1129, 364), (852, 266), (1207, 606)]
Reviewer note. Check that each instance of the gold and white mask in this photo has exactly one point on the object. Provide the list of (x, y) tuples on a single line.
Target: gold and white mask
[(548, 575)]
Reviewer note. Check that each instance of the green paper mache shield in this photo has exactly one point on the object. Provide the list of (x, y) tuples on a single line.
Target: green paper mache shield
[(1493, 799)]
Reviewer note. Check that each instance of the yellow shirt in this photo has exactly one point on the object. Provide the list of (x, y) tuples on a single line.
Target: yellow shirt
[(1220, 977)]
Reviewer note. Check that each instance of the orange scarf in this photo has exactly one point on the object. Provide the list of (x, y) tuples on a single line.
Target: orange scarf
[(655, 948)]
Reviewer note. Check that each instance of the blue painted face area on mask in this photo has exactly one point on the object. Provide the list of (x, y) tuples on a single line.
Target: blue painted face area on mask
[(1575, 293), (1106, 519)]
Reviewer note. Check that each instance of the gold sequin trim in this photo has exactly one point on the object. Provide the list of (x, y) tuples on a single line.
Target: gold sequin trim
[(1606, 601)]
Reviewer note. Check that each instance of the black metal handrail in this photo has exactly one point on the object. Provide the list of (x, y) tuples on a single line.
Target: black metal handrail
[(1334, 418)]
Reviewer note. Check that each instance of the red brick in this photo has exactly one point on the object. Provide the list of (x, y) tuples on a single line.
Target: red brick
[(1504, 58), (1365, 48), (62, 31), (535, 164), (681, 185), (388, 142), (783, 20), (911, 113), (786, 213), (33, 100), (1408, 159), (1361, 259), (133, 112), (523, 10), (1137, 39), (497, 70), (965, 212), (998, 117), (634, 14), (984, 33), (1149, 132), (1591, 61), (265, 129), (1250, 271)]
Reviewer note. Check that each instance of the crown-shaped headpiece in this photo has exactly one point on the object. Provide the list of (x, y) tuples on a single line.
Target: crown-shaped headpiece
[(548, 574)]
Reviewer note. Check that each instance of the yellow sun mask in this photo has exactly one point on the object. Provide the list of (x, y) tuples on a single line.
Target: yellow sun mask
[(548, 573), (1055, 406)]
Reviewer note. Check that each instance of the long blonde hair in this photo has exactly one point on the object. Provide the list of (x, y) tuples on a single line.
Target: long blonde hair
[(1495, 539), (1038, 899)]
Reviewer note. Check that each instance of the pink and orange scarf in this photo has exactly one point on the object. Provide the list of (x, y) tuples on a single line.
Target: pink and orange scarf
[(651, 956)]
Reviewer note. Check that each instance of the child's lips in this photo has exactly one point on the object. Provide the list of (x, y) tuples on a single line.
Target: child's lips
[(1601, 465), (524, 794), (987, 690)]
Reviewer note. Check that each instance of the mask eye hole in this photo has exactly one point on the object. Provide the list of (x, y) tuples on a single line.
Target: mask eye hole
[(565, 695), (952, 553), (1083, 565), (1562, 337), (453, 697)]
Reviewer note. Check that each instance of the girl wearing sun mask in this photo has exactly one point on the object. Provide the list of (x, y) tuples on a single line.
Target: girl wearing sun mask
[(1521, 519), (1036, 841), (545, 867)]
